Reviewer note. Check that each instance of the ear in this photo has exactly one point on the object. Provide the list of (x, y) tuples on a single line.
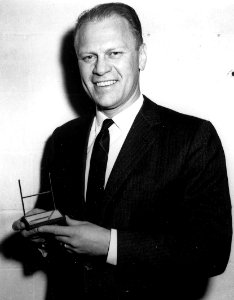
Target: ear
[(142, 57)]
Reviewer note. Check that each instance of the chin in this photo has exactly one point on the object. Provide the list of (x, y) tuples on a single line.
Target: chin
[(105, 103)]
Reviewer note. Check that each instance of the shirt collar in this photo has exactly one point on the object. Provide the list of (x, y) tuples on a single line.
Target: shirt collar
[(123, 119)]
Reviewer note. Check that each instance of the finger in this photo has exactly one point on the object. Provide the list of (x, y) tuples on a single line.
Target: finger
[(55, 230), (67, 247), (30, 233), (18, 225), (63, 240), (44, 253), (72, 222), (38, 240)]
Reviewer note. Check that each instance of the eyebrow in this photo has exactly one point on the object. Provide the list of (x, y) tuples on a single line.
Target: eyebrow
[(113, 49)]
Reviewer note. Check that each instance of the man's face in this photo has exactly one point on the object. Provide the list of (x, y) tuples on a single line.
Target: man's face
[(109, 63)]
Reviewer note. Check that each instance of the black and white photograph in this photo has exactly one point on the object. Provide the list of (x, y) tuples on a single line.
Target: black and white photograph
[(116, 150)]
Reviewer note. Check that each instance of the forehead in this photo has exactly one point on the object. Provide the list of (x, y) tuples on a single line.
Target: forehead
[(114, 30)]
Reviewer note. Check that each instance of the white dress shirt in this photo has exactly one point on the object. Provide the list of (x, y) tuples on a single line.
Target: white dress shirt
[(118, 132)]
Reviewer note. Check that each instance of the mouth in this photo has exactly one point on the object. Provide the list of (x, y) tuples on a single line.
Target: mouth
[(105, 83)]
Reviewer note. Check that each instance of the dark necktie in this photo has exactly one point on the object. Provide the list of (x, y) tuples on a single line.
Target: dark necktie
[(97, 171)]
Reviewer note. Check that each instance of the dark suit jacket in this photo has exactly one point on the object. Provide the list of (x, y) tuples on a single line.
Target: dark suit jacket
[(167, 196)]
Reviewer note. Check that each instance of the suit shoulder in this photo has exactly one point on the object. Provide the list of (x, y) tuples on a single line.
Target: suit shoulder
[(70, 124), (72, 127), (179, 124), (175, 119)]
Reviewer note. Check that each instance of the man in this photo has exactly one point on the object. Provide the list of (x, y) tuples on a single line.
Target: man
[(159, 225)]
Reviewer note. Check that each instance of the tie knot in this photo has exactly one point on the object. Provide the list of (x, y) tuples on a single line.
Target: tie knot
[(106, 124)]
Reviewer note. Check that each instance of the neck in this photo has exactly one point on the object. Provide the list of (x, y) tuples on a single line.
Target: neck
[(111, 112)]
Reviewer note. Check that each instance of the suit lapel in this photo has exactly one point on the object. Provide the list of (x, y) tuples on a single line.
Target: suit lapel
[(138, 141), (77, 149), (87, 128)]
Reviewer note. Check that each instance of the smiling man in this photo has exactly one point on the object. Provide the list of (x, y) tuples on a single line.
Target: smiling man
[(144, 188), (110, 57)]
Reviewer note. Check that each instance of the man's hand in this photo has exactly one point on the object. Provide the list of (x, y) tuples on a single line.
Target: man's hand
[(32, 234), (19, 225), (80, 237)]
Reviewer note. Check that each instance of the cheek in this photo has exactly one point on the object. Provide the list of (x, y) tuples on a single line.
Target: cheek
[(85, 74), (132, 74), (132, 68)]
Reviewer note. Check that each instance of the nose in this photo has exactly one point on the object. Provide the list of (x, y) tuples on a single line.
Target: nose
[(101, 66)]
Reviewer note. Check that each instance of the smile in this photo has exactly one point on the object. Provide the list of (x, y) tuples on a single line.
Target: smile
[(106, 83)]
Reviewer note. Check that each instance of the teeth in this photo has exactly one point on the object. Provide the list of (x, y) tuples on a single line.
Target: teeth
[(106, 83)]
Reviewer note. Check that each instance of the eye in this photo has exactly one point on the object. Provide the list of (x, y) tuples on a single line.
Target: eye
[(88, 58), (115, 54)]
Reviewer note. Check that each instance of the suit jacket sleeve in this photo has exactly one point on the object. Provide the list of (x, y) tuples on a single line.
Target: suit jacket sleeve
[(198, 235)]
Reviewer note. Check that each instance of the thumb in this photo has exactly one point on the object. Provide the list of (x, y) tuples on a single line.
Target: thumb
[(71, 222)]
